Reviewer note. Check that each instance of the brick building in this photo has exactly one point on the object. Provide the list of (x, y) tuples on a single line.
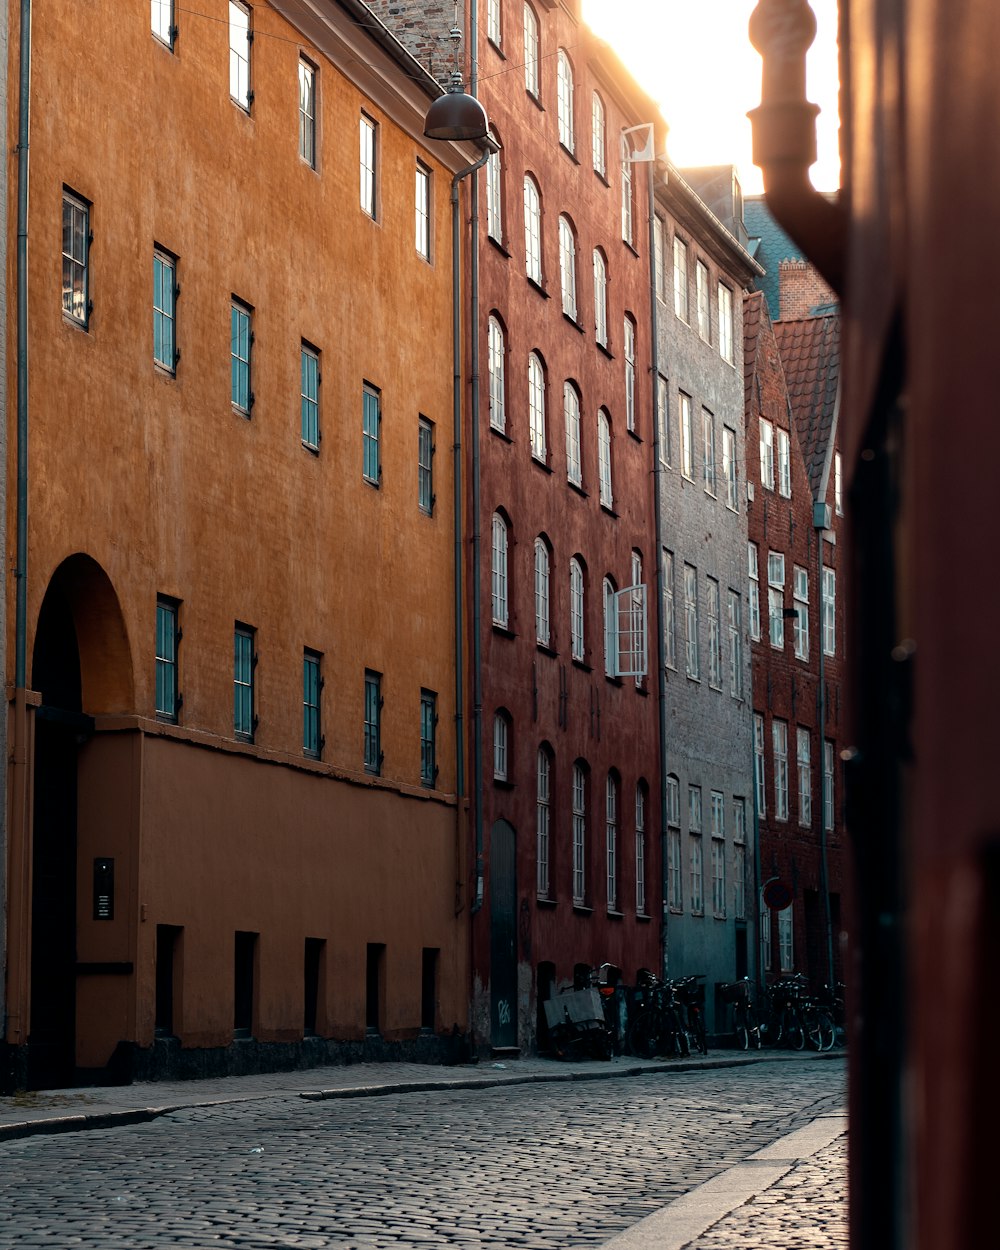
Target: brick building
[(795, 559), (234, 835)]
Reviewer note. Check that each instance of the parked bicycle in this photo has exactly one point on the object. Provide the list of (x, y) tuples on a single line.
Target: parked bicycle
[(835, 1002), (746, 1027), (796, 1018), (577, 1016), (656, 1027), (690, 994)]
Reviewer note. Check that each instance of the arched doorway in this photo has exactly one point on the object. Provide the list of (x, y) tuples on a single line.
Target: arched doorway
[(80, 666), (503, 937)]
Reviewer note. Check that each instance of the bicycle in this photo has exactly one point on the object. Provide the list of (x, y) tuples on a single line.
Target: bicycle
[(656, 1028), (746, 1027), (690, 994), (785, 1026)]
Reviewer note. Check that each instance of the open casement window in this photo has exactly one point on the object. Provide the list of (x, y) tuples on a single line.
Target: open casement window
[(626, 651)]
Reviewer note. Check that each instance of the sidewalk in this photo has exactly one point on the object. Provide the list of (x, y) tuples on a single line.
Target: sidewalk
[(72, 1110)]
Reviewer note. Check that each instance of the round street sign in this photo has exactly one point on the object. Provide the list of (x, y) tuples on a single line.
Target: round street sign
[(777, 895)]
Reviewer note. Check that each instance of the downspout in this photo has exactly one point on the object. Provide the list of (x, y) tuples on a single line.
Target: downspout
[(21, 571), (661, 652), (784, 136), (821, 521)]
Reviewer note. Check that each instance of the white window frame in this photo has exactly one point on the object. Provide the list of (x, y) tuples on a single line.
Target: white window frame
[(161, 21), (501, 747), (635, 637), (675, 871), (730, 468), (803, 757), (500, 585), (368, 165), (726, 325), (708, 449), (687, 436), (629, 373), (532, 230), (76, 261), (659, 260), (640, 851), (779, 745), (543, 823), (536, 407), (735, 621), (610, 629), (739, 858), (567, 267), (576, 609), (611, 841), (307, 112), (494, 32), (531, 52), (600, 298), (579, 836), (564, 101), (422, 210), (764, 912), (669, 611), (598, 121), (776, 599), (628, 223), (758, 763), (784, 463), (703, 300), (571, 412), (714, 635), (786, 939), (692, 657), (766, 454), (682, 306), (754, 591), (718, 828), (829, 610), (543, 631), (662, 418), (829, 803), (496, 350), (605, 490), (494, 196), (696, 874), (800, 601), (240, 41)]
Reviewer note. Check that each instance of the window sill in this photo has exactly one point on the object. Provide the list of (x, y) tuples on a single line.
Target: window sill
[(582, 665), (581, 909), (675, 911), (643, 918), (569, 152), (608, 510), (631, 247), (615, 915), (503, 783), (642, 689), (601, 177), (498, 245), (612, 680), (534, 100), (504, 631), (540, 464), (603, 347), (692, 677), (573, 321), (501, 434), (578, 487), (497, 49), (633, 433), (546, 903), (312, 448), (241, 412), (532, 282), (547, 650)]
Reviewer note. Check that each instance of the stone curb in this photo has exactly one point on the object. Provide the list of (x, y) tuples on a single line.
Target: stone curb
[(143, 1115)]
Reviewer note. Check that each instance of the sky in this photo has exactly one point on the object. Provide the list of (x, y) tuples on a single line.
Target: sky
[(696, 59)]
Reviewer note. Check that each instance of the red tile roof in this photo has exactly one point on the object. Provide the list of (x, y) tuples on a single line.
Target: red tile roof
[(810, 354)]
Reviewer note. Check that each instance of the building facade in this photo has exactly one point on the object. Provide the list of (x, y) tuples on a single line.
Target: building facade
[(795, 559), (701, 273), (235, 835)]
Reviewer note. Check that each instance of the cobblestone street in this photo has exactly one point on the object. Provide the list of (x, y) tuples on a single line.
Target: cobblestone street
[(542, 1165)]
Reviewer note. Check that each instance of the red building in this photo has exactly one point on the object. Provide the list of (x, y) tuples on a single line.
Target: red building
[(795, 556)]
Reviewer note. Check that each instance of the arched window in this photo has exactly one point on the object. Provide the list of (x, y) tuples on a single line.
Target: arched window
[(542, 594), (629, 373), (501, 608), (501, 745), (536, 406), (567, 266), (530, 51), (543, 822), (610, 629), (565, 100), (532, 230), (579, 834), (571, 410), (598, 131), (576, 608), (497, 351), (494, 194), (600, 298), (611, 832), (604, 458)]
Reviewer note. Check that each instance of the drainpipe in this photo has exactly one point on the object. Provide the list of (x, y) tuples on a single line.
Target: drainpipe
[(21, 571), (661, 653), (821, 522), (784, 136)]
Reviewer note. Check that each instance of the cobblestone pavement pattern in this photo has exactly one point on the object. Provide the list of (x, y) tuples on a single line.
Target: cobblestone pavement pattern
[(544, 1165)]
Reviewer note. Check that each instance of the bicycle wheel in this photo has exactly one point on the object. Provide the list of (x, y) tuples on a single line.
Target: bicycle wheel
[(644, 1035), (827, 1030), (753, 1025), (741, 1028), (678, 1037), (699, 1033), (795, 1034)]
